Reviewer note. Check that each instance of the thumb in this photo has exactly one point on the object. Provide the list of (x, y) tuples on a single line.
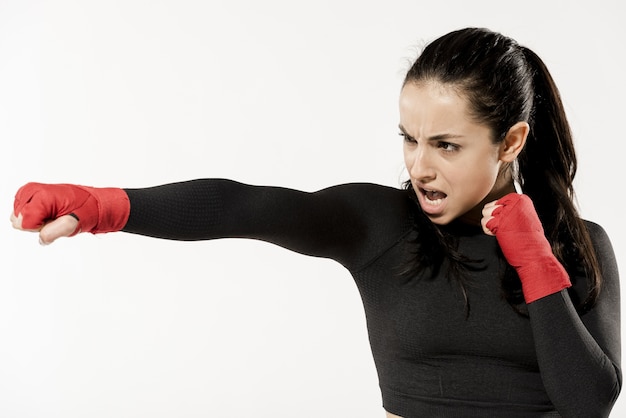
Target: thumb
[(63, 226)]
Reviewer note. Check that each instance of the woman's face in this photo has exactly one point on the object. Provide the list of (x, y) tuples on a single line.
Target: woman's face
[(452, 161)]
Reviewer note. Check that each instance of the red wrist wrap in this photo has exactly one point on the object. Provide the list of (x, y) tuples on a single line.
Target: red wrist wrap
[(521, 237), (98, 210)]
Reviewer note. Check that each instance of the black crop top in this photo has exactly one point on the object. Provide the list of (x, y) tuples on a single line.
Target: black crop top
[(432, 359)]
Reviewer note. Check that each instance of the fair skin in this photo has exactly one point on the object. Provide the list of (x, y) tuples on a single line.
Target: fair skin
[(453, 164), (63, 226)]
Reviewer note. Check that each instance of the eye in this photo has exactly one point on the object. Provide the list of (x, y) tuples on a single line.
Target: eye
[(407, 138), (448, 146)]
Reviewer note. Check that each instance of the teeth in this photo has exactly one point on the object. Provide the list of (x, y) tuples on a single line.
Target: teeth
[(433, 193), (436, 202)]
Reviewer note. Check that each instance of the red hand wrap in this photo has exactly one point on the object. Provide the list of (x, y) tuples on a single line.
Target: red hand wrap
[(520, 235), (98, 209)]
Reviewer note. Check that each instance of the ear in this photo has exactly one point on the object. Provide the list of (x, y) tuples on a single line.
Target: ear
[(514, 142)]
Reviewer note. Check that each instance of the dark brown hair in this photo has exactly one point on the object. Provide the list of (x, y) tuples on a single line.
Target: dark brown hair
[(506, 83)]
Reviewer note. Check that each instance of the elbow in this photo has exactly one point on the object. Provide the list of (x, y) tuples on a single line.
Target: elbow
[(596, 400), (617, 386)]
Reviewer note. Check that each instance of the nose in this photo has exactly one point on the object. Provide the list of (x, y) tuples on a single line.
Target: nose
[(420, 165)]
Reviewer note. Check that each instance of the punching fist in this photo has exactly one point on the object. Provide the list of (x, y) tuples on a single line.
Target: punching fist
[(515, 224), (59, 210)]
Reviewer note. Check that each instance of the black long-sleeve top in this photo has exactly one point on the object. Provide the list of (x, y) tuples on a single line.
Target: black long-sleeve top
[(432, 358)]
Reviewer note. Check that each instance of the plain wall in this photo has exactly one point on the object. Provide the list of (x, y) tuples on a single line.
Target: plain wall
[(136, 93)]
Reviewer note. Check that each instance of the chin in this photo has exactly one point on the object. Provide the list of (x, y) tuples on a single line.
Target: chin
[(440, 220)]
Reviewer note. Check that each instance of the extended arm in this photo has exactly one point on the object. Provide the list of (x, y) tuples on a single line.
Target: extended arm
[(343, 222), (324, 223)]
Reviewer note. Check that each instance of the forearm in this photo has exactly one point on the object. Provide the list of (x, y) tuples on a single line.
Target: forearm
[(188, 210), (580, 377), (579, 357)]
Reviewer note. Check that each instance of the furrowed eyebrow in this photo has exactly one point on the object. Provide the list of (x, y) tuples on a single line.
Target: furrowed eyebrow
[(438, 137), (444, 137)]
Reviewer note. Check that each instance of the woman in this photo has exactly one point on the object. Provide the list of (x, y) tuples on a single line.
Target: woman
[(480, 301)]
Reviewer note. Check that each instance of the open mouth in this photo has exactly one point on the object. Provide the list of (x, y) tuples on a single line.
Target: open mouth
[(433, 197)]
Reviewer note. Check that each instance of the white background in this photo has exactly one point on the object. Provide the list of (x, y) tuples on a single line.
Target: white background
[(135, 93)]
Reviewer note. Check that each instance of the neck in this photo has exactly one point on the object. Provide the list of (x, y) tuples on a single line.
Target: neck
[(504, 185)]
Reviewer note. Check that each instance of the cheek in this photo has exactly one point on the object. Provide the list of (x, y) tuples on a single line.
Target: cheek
[(477, 179), (487, 177)]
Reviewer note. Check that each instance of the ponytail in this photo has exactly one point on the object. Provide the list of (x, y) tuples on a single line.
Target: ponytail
[(547, 167)]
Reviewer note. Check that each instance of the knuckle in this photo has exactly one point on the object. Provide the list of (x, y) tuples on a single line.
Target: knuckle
[(46, 236)]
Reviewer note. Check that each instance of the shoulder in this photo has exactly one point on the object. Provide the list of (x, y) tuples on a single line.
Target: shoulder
[(604, 251), (366, 188), (382, 215), (599, 236), (368, 194)]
